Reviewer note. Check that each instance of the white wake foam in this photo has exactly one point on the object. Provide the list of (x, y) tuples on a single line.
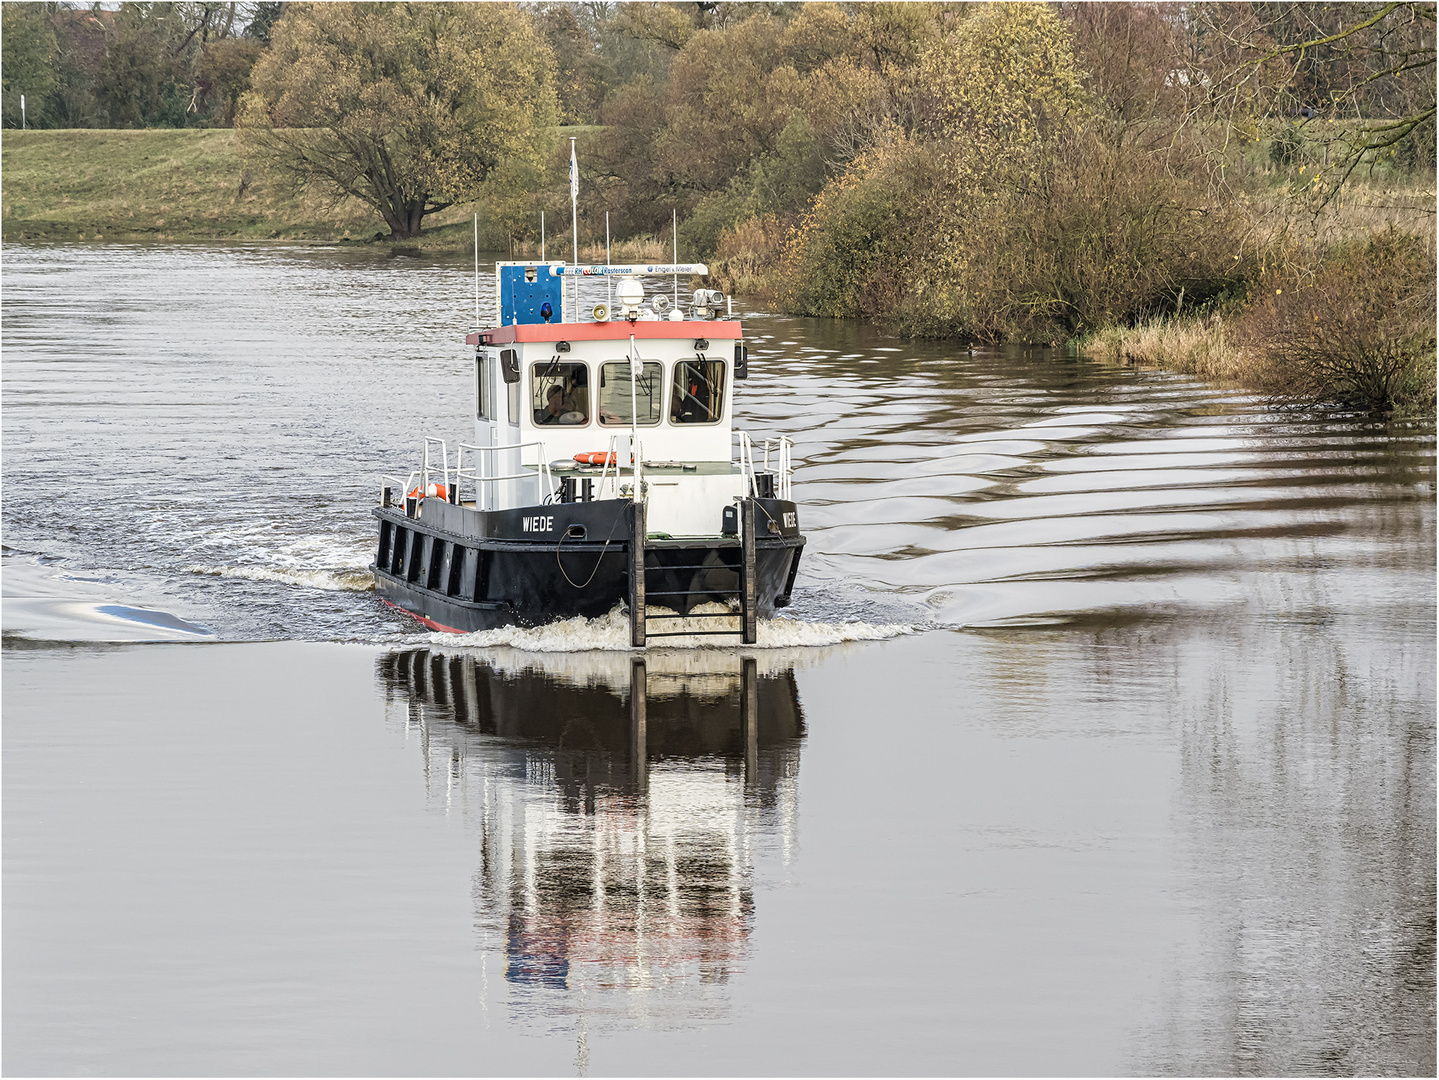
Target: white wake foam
[(611, 633), (343, 580)]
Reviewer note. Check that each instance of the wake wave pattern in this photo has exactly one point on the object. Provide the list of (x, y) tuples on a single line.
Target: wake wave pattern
[(342, 579), (611, 633), (1008, 489), (230, 477)]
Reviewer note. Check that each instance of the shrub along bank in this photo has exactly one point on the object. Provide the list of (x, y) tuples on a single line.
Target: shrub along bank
[(1355, 329), (1041, 199)]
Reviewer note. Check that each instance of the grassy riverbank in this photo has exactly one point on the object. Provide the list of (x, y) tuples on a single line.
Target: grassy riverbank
[(164, 184)]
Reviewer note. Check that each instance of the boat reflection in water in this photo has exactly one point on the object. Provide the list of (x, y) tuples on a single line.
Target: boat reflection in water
[(623, 805)]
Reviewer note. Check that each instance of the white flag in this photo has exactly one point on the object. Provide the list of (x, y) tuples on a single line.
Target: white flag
[(574, 175)]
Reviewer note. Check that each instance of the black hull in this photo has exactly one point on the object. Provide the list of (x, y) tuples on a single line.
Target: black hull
[(461, 570)]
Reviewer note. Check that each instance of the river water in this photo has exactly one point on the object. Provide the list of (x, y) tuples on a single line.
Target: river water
[(1099, 740)]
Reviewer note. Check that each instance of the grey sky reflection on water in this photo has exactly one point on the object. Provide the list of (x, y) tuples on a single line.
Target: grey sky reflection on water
[(619, 803), (1305, 817), (1183, 846)]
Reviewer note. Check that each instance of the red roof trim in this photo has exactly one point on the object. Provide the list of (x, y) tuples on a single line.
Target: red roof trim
[(618, 330)]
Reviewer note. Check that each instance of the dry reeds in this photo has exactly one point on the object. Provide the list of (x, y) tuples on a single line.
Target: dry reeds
[(636, 249), (1352, 328), (747, 253), (1200, 346)]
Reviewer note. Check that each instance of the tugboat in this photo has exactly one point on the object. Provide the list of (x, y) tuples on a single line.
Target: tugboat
[(603, 473)]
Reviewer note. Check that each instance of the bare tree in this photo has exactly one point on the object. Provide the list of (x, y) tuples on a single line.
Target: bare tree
[(1354, 82)]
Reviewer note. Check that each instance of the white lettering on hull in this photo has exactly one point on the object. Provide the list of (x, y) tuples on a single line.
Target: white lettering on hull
[(537, 524)]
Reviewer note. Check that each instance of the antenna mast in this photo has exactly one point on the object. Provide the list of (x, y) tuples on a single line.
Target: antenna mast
[(575, 217)]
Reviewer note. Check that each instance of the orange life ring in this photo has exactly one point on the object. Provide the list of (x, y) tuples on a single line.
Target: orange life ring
[(598, 457), (436, 491)]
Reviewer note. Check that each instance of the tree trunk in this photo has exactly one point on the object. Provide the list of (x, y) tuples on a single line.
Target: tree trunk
[(404, 217)]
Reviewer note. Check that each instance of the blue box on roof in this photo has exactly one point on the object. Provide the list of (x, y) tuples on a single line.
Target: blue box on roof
[(525, 288)]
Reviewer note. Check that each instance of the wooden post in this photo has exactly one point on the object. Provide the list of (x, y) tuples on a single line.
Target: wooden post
[(639, 723), (749, 719), (637, 575), (748, 607)]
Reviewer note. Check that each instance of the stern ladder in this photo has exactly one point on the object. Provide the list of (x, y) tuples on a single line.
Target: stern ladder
[(641, 590)]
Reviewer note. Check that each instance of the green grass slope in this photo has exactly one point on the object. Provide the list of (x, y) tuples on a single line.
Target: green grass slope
[(158, 184)]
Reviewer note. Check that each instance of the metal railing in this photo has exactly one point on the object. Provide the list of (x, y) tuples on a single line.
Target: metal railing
[(403, 487), (479, 474), (421, 483), (612, 457), (783, 465), (438, 480), (778, 459), (425, 466)]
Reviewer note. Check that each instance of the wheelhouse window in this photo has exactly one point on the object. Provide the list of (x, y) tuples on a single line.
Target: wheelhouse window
[(616, 407), (484, 407), (560, 393), (698, 395)]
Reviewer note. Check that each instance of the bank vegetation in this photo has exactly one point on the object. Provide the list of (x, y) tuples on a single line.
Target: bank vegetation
[(1244, 191)]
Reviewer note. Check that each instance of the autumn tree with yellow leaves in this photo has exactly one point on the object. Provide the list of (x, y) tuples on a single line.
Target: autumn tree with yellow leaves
[(410, 107)]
